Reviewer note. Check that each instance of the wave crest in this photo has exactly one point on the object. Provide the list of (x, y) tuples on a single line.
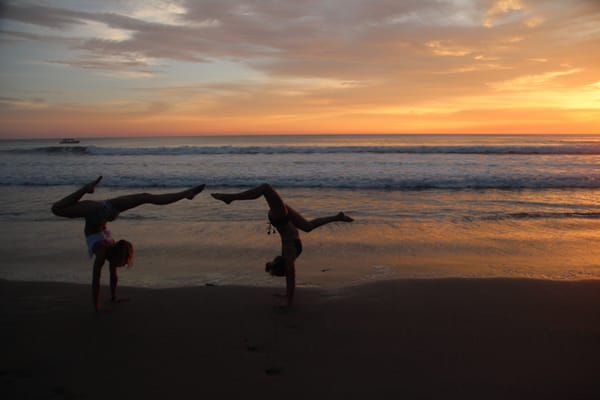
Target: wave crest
[(571, 149)]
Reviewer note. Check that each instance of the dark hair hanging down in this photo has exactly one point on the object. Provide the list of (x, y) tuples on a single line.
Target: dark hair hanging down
[(128, 248), (276, 267)]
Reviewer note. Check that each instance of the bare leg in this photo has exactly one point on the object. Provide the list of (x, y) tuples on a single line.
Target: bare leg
[(133, 200), (276, 204), (114, 279), (72, 206), (305, 225)]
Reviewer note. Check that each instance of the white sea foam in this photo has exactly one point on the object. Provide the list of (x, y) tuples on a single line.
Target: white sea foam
[(555, 149), (404, 163)]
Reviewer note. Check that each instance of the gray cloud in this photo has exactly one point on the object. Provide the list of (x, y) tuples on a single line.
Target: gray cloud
[(350, 39), (38, 14)]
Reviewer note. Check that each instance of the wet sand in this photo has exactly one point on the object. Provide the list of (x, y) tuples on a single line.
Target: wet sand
[(441, 338)]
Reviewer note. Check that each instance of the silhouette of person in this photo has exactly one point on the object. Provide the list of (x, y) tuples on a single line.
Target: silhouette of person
[(98, 238), (286, 221)]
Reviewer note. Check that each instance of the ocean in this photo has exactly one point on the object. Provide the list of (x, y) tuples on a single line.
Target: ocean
[(426, 206)]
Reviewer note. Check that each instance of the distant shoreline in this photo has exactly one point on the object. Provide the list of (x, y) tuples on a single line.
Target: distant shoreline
[(288, 135)]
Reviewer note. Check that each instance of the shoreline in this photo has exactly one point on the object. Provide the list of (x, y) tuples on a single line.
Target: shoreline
[(426, 338), (396, 235)]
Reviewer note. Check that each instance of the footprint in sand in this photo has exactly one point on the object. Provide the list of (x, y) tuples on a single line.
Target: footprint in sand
[(253, 349), (273, 371)]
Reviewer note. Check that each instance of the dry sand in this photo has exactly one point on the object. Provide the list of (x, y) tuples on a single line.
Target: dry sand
[(445, 338)]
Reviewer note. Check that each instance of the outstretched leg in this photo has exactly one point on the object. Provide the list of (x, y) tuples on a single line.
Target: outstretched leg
[(276, 204), (72, 206), (133, 200), (305, 225)]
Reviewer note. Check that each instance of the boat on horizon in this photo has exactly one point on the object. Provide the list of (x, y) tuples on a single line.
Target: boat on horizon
[(69, 141)]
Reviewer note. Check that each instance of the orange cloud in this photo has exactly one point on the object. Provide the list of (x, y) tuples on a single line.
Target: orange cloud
[(311, 66)]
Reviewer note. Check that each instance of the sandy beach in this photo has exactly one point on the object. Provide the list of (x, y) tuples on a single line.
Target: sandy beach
[(442, 338)]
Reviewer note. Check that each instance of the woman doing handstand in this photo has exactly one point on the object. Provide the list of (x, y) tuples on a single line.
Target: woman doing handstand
[(287, 221), (98, 238)]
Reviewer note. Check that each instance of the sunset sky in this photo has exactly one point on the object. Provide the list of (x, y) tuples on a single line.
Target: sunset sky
[(119, 67)]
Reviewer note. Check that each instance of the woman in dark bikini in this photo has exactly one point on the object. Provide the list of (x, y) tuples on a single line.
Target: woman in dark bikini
[(287, 221), (98, 238)]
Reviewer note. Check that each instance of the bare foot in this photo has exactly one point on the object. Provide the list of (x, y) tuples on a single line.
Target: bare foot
[(90, 187), (194, 191), (344, 218), (222, 196)]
